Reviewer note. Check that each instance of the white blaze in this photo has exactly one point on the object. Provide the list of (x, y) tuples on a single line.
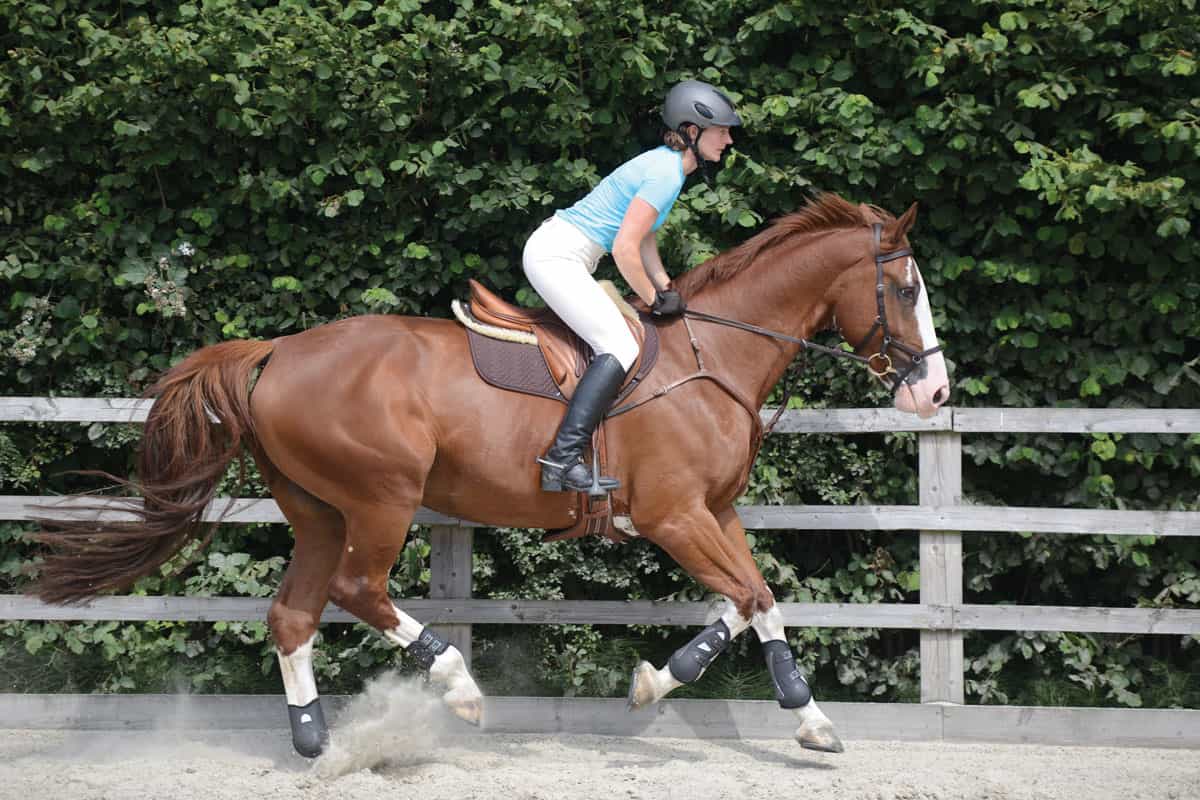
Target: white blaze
[(924, 314), (918, 397)]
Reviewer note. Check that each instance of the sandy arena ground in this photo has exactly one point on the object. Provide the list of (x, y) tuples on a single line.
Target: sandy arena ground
[(406, 748)]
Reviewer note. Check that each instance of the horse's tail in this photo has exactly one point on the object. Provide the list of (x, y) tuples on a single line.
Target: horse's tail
[(198, 424)]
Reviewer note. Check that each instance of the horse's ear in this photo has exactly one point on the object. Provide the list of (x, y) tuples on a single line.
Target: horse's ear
[(905, 222)]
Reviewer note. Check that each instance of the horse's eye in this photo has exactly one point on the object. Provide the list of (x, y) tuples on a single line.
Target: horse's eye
[(909, 293)]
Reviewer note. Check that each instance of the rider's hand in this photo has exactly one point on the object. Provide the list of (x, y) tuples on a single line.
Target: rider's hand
[(667, 303)]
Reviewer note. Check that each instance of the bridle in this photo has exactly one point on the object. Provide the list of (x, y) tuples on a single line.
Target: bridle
[(915, 357), (878, 364)]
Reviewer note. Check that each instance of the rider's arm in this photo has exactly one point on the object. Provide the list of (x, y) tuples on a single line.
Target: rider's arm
[(644, 275), (652, 261)]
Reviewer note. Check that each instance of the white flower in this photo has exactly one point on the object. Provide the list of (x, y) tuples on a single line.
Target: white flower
[(186, 249)]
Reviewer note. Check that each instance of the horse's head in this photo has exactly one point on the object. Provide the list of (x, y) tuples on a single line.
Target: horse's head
[(882, 309)]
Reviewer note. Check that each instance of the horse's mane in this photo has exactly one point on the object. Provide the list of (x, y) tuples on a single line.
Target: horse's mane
[(826, 212)]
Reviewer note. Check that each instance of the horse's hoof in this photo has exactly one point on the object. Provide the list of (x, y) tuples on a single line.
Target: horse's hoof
[(469, 711), (819, 737), (641, 686)]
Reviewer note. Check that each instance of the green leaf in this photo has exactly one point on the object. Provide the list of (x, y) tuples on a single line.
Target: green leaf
[(1174, 226), (842, 70), (776, 106), (380, 298), (1012, 20), (123, 128), (203, 217), (286, 283), (1165, 301), (54, 223), (1104, 449)]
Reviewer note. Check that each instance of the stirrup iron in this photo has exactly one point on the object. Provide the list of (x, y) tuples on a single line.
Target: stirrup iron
[(553, 472)]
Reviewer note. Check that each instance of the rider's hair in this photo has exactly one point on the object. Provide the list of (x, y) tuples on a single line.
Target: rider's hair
[(674, 140)]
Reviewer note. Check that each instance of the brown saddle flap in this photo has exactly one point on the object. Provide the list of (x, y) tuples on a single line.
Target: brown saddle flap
[(565, 354)]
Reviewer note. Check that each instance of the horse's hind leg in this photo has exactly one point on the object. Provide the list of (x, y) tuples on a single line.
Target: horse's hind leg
[(297, 607), (374, 536)]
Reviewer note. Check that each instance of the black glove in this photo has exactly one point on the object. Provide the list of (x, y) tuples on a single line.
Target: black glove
[(667, 303)]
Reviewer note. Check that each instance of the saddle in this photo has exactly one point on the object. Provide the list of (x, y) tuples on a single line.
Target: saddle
[(501, 334), (532, 351)]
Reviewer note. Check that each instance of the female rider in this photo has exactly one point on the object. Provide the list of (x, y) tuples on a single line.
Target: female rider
[(620, 215)]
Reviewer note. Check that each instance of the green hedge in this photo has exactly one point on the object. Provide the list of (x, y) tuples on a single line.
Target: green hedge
[(180, 173)]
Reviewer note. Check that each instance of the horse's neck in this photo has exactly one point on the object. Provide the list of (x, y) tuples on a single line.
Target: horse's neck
[(783, 290)]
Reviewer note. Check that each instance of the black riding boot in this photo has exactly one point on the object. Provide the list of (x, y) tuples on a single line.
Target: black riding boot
[(563, 468)]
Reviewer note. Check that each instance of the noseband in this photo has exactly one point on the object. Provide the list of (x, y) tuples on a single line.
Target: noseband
[(879, 364)]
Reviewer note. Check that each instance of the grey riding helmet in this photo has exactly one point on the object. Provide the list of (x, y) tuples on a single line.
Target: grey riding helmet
[(699, 103)]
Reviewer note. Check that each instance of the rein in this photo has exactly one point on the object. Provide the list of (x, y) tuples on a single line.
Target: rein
[(882, 358), (807, 344)]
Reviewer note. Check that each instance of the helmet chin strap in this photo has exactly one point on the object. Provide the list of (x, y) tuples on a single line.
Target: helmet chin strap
[(694, 146)]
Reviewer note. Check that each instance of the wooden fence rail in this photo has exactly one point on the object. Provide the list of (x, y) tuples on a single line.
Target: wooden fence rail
[(940, 518)]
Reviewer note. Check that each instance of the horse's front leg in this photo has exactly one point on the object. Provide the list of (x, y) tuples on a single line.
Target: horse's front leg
[(728, 567), (695, 539), (791, 689), (649, 685)]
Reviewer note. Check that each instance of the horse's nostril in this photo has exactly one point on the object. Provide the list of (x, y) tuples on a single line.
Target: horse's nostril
[(941, 395)]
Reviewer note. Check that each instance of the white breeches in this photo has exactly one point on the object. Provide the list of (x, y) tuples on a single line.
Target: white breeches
[(559, 261)]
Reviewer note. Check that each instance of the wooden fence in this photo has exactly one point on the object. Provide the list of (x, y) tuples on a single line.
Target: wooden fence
[(940, 518)]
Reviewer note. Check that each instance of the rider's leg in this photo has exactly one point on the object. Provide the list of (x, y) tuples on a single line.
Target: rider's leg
[(558, 261), (563, 466)]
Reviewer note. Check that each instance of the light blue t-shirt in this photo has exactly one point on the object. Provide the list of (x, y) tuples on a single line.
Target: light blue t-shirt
[(655, 176)]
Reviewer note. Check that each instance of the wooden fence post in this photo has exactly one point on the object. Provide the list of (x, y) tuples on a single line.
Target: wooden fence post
[(941, 567), (450, 551)]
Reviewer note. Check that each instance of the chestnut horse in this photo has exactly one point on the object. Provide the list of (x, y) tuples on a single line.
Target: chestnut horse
[(357, 423)]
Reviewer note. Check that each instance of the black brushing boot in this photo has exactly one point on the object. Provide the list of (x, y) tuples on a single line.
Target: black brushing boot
[(563, 468), (310, 734)]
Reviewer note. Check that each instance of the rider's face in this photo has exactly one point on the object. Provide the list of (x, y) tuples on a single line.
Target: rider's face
[(713, 141)]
